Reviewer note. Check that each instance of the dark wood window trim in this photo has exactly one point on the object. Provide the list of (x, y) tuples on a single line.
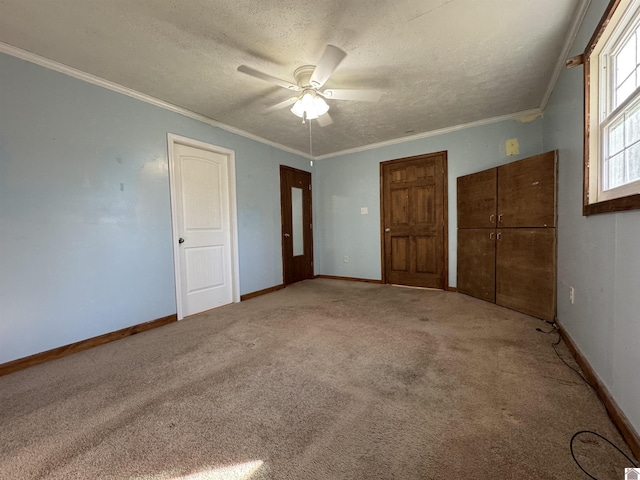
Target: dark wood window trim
[(630, 202)]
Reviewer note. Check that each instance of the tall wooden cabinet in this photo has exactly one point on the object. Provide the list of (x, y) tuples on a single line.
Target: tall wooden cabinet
[(507, 235)]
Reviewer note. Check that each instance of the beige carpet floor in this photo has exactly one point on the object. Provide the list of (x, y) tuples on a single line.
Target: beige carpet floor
[(325, 379)]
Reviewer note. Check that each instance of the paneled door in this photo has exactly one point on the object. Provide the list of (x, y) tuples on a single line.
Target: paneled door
[(414, 220), (297, 225), (203, 209)]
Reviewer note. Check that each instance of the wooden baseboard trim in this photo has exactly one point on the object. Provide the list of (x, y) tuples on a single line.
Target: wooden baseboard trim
[(349, 279), (451, 289), (617, 416), (249, 296), (43, 357)]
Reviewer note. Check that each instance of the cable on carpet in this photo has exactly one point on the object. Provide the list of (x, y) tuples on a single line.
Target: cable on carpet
[(547, 331), (578, 372), (575, 435)]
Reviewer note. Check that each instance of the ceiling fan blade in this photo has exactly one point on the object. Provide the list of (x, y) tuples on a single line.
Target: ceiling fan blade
[(356, 95), (327, 64), (283, 104), (324, 120), (267, 78)]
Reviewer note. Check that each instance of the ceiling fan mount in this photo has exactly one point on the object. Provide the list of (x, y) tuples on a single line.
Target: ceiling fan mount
[(309, 81), (303, 77)]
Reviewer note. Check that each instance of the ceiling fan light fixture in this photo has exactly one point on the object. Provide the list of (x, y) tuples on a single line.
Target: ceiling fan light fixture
[(310, 106), (320, 105)]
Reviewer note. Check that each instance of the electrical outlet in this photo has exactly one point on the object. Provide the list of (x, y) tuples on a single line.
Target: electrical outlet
[(346, 259), (572, 295), (512, 147)]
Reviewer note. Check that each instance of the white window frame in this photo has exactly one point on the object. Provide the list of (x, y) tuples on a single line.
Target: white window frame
[(621, 18), (609, 114)]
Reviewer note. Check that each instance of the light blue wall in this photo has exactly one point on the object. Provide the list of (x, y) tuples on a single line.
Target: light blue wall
[(85, 220), (346, 183), (85, 228), (597, 255)]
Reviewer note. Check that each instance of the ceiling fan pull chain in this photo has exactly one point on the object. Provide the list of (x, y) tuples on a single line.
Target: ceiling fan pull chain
[(310, 141)]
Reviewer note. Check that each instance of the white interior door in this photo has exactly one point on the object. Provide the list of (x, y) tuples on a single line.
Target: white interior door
[(203, 226)]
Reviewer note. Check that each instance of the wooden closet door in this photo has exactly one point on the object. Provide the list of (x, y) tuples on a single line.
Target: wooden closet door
[(477, 263), (413, 207), (526, 270), (477, 199), (527, 192)]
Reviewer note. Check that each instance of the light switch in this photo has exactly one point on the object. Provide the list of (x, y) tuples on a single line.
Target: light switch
[(364, 211), (512, 147)]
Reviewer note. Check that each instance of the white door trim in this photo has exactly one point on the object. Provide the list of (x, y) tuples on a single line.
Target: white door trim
[(172, 140)]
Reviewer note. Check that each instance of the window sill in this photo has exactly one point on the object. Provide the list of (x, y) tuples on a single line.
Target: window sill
[(630, 202)]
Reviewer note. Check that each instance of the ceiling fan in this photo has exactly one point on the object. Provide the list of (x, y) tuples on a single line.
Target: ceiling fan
[(309, 103)]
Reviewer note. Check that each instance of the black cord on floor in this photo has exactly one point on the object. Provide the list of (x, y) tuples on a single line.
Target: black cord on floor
[(555, 329), (575, 435), (545, 331), (584, 379)]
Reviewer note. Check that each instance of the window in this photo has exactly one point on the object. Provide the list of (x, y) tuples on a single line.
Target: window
[(612, 111)]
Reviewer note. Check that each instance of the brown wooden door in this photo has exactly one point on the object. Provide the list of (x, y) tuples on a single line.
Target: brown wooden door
[(477, 199), (297, 233), (527, 192), (414, 226), (477, 262), (526, 270)]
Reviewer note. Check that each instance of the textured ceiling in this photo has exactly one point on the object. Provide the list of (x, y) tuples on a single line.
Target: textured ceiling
[(438, 63)]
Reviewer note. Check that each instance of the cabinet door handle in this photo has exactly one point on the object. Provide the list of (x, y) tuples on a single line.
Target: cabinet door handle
[(500, 218), (492, 218), (499, 237), (491, 235)]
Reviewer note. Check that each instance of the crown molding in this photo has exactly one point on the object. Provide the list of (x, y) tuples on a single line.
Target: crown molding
[(101, 82), (524, 116), (87, 77), (578, 18)]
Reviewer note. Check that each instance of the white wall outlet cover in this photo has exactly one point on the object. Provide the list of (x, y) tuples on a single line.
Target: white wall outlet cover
[(572, 295), (364, 211), (512, 147)]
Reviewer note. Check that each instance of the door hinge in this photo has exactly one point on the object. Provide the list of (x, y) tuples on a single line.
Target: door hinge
[(309, 186), (311, 226)]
